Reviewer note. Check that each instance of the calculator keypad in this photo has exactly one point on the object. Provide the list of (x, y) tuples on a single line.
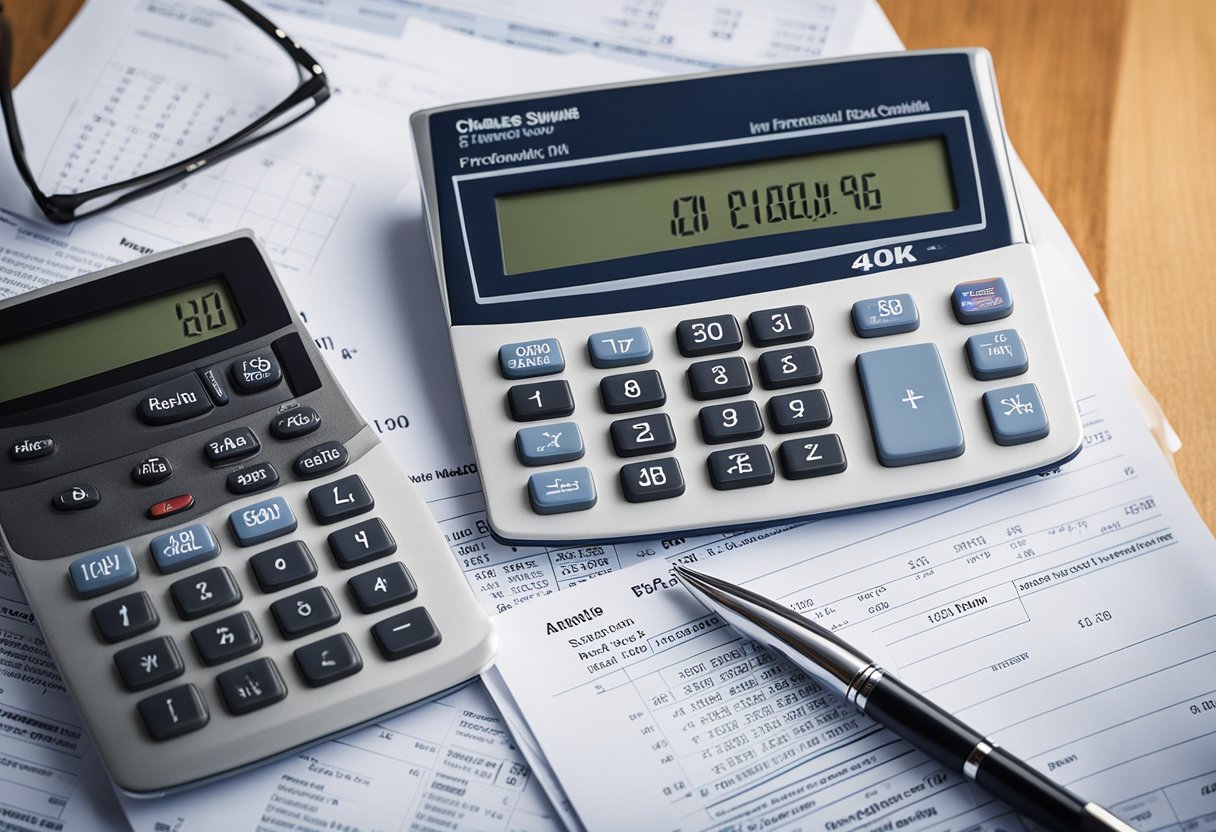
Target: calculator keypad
[(149, 663), (407, 633), (184, 548), (780, 326), (911, 410), (813, 456), (328, 660), (283, 566), (171, 713), (205, 592), (619, 348), (740, 467), (383, 587), (305, 612), (77, 498), (654, 479), (720, 378), (649, 434), (542, 400), (251, 686), (796, 412), (340, 500), (705, 336), (361, 543), (226, 638), (730, 422), (794, 367), (549, 444), (632, 391), (125, 617), (567, 489)]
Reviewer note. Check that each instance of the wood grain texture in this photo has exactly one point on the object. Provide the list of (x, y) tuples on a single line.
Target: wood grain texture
[(36, 23)]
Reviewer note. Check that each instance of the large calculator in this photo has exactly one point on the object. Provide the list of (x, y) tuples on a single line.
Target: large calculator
[(225, 561), (734, 298)]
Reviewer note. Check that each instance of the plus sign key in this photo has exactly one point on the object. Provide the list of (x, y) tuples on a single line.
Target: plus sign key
[(908, 401)]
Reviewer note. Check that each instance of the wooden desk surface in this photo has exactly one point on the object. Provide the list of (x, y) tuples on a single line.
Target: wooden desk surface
[(1112, 105)]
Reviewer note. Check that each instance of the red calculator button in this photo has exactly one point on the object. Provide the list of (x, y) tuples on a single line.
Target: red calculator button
[(171, 506)]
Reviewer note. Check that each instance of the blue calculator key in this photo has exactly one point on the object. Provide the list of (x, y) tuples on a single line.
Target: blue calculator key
[(549, 444), (994, 355), (183, 547), (101, 571), (912, 415), (1016, 414), (524, 359), (982, 300), (619, 347), (889, 315), (262, 521), (568, 489)]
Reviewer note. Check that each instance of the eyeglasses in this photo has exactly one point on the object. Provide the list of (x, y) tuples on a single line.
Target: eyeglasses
[(128, 178)]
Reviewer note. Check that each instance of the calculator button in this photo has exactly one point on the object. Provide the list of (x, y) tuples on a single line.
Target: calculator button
[(231, 445), (305, 612), (259, 522), (383, 587), (654, 479), (524, 359), (1016, 414), (340, 500), (912, 415), (103, 571), (361, 543), (981, 300), (152, 470), (703, 336), (328, 660), (719, 379), (619, 347), (283, 566), (543, 400), (796, 412), (170, 506), (889, 315), (204, 592), (299, 421), (76, 498), (214, 386), (251, 686), (780, 326), (226, 638), (256, 371), (320, 460), (632, 391), (549, 444), (252, 479), (183, 547), (173, 712), (812, 456), (649, 434), (175, 401), (793, 367), (568, 489), (148, 663), (125, 617), (740, 467), (406, 633), (730, 422), (31, 448), (994, 355)]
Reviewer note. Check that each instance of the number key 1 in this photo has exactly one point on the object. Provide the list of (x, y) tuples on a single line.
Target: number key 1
[(543, 400)]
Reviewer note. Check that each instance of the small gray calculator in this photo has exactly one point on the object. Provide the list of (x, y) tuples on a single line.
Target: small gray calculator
[(225, 561), (740, 297)]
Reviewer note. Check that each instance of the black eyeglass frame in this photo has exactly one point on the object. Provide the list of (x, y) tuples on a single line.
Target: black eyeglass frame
[(63, 208)]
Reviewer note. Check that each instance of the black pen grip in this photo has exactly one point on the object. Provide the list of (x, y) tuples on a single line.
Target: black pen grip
[(1050, 804)]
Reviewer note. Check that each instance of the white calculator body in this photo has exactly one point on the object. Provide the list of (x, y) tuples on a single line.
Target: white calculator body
[(740, 297), (225, 561)]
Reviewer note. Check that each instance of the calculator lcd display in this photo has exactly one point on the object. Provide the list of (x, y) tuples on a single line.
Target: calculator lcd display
[(580, 224), (115, 338)]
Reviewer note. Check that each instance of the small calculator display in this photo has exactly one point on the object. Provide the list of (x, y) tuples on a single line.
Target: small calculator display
[(741, 297), (225, 562)]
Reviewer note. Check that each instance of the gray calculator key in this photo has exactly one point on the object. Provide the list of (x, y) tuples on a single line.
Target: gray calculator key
[(340, 500), (256, 371), (125, 617), (632, 391), (567, 489), (361, 543), (654, 479), (978, 301), (887, 315), (328, 660), (539, 357), (283, 566), (541, 400), (406, 633), (103, 571), (649, 434), (703, 336), (305, 612), (226, 638), (175, 401), (171, 713), (812, 456), (549, 444), (1016, 414), (259, 522), (793, 367), (383, 587), (183, 547), (321, 460), (299, 421), (741, 467), (719, 379), (794, 412), (231, 445), (149, 663), (994, 355), (780, 326), (907, 396), (730, 422), (204, 592), (619, 347), (251, 686)]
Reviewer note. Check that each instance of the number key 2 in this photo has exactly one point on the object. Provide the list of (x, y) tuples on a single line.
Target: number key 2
[(702, 336), (543, 400), (650, 434)]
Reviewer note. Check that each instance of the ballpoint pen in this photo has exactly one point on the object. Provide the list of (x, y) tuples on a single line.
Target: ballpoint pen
[(879, 695)]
